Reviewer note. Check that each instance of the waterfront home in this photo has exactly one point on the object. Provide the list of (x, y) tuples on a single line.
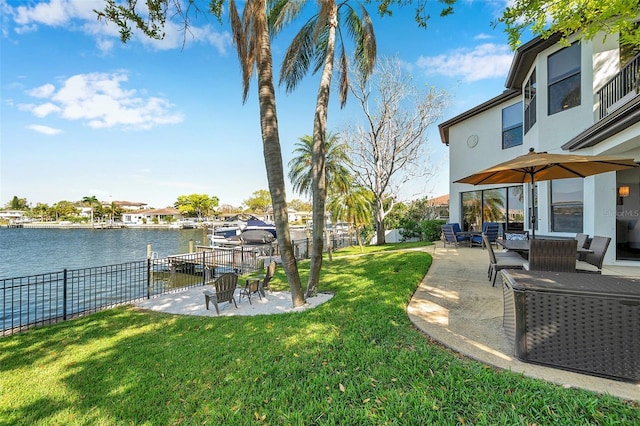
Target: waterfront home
[(582, 98), (142, 217), (127, 205), (12, 216)]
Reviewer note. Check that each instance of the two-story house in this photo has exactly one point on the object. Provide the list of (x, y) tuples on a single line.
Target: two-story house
[(580, 98)]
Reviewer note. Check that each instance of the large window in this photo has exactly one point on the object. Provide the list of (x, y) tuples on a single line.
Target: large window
[(530, 102), (566, 205), (512, 126), (502, 205), (564, 79)]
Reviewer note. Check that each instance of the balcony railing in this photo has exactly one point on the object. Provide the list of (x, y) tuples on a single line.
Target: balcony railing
[(625, 85)]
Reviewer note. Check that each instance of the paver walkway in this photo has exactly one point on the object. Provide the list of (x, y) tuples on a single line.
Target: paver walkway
[(456, 305)]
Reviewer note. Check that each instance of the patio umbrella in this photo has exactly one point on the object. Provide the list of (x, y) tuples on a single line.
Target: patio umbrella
[(539, 166)]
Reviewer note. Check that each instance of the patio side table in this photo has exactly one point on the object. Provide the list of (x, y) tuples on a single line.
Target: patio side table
[(579, 322)]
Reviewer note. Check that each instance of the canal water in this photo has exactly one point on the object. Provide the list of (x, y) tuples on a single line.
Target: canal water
[(35, 251)]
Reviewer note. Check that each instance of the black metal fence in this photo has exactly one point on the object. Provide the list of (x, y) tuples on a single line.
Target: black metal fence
[(37, 300), (43, 299)]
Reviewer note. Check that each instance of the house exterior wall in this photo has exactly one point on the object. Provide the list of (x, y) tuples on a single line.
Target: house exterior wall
[(465, 159), (600, 62)]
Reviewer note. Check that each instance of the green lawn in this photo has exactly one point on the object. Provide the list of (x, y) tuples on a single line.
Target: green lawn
[(355, 360)]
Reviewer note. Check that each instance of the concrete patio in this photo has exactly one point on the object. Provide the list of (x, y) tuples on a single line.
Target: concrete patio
[(456, 305)]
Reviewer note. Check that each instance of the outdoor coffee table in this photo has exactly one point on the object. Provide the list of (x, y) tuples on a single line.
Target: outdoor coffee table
[(587, 323)]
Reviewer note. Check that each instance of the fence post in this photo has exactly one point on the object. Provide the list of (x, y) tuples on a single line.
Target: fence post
[(148, 278), (64, 294), (204, 267)]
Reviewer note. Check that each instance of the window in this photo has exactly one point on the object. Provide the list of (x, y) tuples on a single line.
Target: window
[(530, 102), (515, 212), (564, 79), (512, 126), (502, 205), (566, 205)]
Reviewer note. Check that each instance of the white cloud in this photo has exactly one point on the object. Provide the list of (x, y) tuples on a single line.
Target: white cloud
[(482, 36), (46, 130), (482, 62), (43, 91), (79, 15), (101, 101), (43, 110)]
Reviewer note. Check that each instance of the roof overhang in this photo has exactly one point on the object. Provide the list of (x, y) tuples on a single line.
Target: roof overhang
[(524, 58), (503, 97)]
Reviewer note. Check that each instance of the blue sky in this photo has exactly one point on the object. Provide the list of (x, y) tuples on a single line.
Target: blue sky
[(82, 114)]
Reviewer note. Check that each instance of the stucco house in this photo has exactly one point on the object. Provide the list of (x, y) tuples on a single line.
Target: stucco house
[(139, 217), (583, 99)]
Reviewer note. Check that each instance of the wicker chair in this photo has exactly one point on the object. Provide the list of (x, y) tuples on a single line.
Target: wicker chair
[(552, 255), (501, 260), (225, 286), (593, 261), (582, 242)]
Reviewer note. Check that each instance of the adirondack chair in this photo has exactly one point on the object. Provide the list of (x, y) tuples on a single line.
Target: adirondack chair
[(225, 286)]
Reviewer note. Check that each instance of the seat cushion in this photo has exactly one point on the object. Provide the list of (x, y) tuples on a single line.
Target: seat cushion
[(514, 236), (584, 266)]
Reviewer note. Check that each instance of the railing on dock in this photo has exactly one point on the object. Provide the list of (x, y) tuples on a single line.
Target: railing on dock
[(43, 299)]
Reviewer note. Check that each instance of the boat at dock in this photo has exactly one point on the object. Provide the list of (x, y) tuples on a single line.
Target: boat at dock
[(183, 224)]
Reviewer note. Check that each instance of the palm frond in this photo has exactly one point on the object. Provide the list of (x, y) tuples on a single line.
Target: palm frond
[(283, 12), (298, 57), (240, 41)]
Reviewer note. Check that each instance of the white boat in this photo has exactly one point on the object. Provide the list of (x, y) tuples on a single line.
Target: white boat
[(220, 241), (183, 224)]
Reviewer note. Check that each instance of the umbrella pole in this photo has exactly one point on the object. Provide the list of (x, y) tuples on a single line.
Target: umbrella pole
[(533, 209)]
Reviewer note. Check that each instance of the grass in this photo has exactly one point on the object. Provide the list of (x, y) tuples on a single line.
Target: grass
[(354, 360)]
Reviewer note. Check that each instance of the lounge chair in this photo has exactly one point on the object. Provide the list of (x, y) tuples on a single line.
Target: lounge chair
[(592, 262), (450, 236), (490, 229), (225, 286)]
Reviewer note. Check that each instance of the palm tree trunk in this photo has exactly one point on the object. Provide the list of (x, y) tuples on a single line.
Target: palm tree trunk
[(318, 157), (273, 162)]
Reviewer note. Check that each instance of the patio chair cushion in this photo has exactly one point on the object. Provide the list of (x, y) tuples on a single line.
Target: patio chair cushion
[(516, 236)]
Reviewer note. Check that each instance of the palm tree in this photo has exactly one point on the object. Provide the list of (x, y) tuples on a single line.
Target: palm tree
[(90, 201), (338, 176), (353, 206), (316, 42), (251, 37)]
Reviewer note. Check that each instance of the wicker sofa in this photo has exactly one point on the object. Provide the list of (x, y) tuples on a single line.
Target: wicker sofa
[(586, 323)]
